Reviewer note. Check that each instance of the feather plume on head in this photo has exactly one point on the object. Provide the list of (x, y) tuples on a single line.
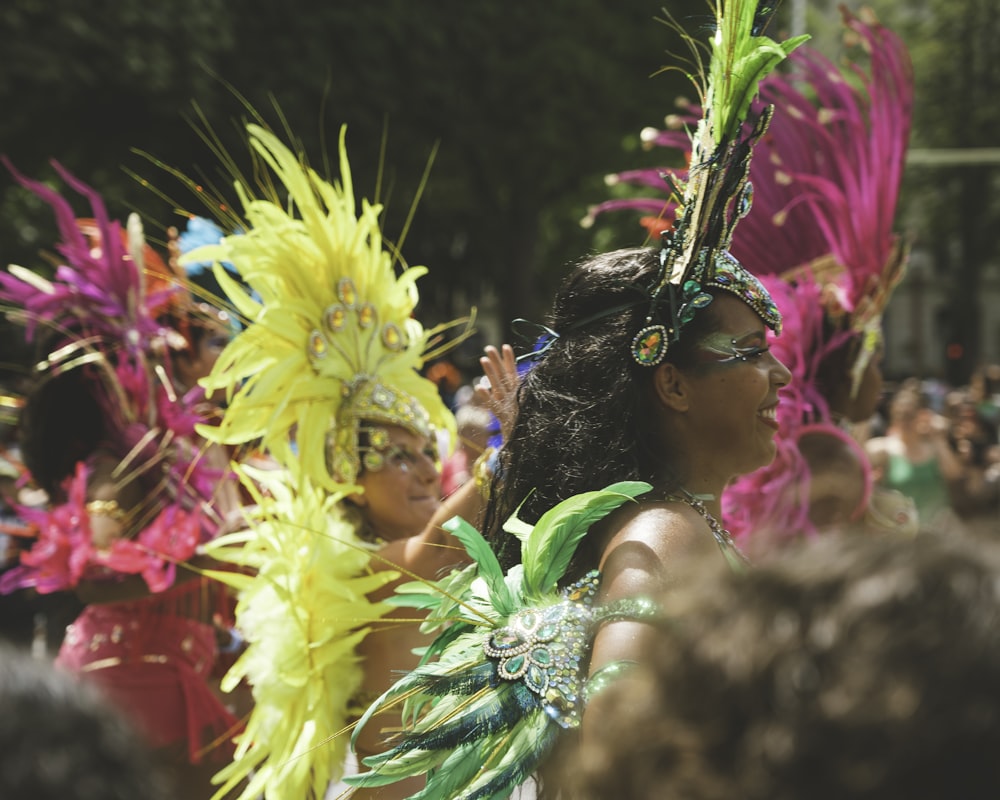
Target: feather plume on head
[(331, 342), (826, 179), (328, 353), (98, 317), (715, 191), (830, 171), (825, 176)]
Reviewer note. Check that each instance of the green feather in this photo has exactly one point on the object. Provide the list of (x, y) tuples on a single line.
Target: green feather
[(549, 548), (739, 61), (413, 762), (515, 527), (520, 751), (390, 695), (413, 600), (454, 772), (489, 567), (546, 554), (452, 589)]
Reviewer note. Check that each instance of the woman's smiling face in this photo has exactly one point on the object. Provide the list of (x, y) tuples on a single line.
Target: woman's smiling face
[(735, 384), (401, 496)]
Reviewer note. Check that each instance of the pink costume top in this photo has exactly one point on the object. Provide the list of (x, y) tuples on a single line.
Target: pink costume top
[(155, 662)]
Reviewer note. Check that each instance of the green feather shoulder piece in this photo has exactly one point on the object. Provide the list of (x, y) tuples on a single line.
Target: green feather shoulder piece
[(507, 671)]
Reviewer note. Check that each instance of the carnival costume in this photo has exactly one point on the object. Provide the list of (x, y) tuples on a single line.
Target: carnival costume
[(508, 674), (503, 678), (329, 352), (101, 316), (827, 176)]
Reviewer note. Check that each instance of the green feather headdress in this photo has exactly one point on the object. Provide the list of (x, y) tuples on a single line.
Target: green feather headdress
[(717, 194)]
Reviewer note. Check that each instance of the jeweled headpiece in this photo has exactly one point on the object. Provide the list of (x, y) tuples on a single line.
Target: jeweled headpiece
[(826, 178), (716, 193), (330, 342)]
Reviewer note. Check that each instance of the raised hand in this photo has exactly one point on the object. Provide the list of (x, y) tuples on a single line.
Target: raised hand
[(497, 389)]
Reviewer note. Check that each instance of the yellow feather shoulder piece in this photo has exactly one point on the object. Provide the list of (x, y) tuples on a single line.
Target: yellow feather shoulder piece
[(302, 613)]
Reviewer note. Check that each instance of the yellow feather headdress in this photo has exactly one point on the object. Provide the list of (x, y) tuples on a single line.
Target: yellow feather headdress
[(330, 341)]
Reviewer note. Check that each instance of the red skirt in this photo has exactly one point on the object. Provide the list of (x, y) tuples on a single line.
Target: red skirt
[(156, 666)]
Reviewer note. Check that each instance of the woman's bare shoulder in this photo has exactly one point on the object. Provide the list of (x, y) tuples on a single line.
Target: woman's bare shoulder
[(660, 524), (647, 544)]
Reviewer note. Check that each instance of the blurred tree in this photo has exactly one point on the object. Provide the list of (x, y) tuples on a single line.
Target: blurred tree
[(530, 104), (83, 82), (953, 208)]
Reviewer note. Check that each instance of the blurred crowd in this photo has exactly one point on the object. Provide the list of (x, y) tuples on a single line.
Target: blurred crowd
[(939, 445)]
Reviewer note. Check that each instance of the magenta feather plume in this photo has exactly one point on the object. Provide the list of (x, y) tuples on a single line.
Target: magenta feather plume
[(774, 500), (94, 292), (101, 318), (827, 175)]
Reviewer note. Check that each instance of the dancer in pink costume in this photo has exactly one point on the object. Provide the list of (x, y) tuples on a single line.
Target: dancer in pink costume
[(134, 490)]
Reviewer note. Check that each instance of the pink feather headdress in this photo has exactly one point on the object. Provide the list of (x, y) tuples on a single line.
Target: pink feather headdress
[(100, 312), (828, 175)]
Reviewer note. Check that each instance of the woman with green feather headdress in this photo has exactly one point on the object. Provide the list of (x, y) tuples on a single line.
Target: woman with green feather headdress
[(652, 388)]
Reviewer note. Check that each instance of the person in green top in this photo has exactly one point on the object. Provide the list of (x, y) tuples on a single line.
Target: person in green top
[(915, 458)]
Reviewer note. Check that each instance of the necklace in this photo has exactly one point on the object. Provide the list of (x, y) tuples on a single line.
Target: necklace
[(723, 537)]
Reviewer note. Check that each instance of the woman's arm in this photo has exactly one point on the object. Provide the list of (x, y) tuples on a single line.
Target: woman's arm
[(117, 508), (433, 552), (647, 553)]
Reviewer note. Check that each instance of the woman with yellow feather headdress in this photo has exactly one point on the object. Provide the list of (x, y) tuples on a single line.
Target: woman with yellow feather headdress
[(325, 377)]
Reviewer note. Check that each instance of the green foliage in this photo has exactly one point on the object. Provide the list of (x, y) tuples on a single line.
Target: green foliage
[(952, 209), (82, 87), (529, 104)]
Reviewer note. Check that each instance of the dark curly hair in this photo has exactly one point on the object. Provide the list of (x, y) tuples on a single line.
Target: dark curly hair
[(62, 423), (847, 668), (586, 416)]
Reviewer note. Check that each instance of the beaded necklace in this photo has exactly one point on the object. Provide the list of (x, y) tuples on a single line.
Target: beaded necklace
[(724, 538)]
